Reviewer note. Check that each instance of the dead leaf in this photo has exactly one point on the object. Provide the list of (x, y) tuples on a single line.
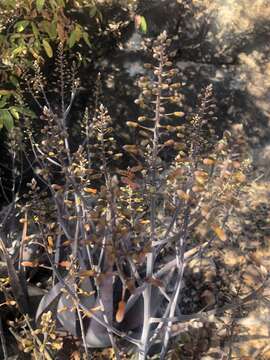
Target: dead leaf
[(183, 195)]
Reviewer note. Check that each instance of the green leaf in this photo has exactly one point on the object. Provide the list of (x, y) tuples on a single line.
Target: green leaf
[(14, 39), (93, 11), (78, 31), (61, 3), (6, 92), (2, 39), (25, 111), (75, 36), (72, 39), (99, 15), (14, 112), (3, 102), (13, 79), (50, 28), (53, 30), (86, 38), (45, 26), (21, 25), (11, 3), (37, 45), (40, 4), (143, 25), (53, 4), (47, 48), (22, 49), (1, 124), (7, 119), (35, 30)]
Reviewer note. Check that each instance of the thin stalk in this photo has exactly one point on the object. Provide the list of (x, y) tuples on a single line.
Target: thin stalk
[(82, 330), (77, 229), (180, 258), (151, 255), (62, 79)]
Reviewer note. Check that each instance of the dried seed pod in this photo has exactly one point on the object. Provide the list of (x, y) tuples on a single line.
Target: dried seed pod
[(201, 173), (179, 113), (120, 311), (141, 118), (147, 66), (132, 124), (197, 189), (56, 187), (219, 232), (208, 161), (89, 190), (170, 142), (183, 195), (240, 177), (200, 179)]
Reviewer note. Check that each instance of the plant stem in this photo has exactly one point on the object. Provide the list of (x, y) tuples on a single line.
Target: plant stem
[(151, 255)]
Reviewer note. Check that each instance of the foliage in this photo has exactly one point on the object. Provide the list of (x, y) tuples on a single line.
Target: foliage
[(31, 31), (117, 241)]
